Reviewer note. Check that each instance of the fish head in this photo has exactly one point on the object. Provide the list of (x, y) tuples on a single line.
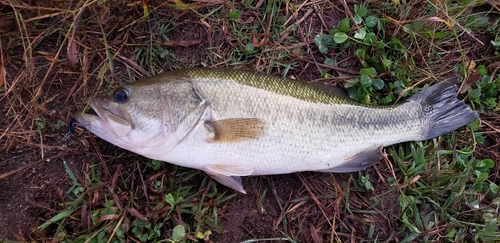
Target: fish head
[(148, 117), (131, 116)]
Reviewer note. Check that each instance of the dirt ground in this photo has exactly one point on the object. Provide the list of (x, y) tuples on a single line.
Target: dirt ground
[(42, 94)]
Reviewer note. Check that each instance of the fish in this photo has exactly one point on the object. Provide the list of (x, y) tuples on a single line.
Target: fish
[(231, 123)]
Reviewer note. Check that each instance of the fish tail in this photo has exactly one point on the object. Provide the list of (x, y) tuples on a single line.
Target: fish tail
[(441, 110)]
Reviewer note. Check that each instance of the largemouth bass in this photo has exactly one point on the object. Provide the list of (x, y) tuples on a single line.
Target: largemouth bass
[(232, 123)]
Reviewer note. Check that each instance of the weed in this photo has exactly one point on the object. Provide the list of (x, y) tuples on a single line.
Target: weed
[(40, 124), (425, 202), (365, 180), (234, 14), (485, 93), (261, 199), (76, 189), (376, 55), (428, 193), (155, 164), (58, 125), (146, 232)]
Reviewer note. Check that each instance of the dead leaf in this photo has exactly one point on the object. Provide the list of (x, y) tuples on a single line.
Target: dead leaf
[(179, 4), (314, 234), (72, 54), (72, 48), (436, 19), (136, 214), (107, 217), (471, 81), (145, 8), (259, 43), (2, 75), (205, 23)]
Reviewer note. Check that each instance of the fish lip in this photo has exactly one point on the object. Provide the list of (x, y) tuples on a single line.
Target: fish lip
[(85, 119), (101, 119)]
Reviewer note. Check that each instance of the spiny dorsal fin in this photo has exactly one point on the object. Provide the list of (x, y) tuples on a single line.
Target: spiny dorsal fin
[(235, 129)]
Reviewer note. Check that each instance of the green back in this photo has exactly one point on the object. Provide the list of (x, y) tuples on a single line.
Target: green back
[(313, 92)]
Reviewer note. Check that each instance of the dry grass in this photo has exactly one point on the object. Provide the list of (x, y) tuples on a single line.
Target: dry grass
[(54, 55)]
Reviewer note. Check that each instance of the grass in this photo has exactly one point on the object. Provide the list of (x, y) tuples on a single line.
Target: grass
[(441, 190)]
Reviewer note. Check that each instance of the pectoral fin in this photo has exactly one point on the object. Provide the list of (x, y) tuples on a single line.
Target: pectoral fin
[(229, 175), (360, 161), (234, 129)]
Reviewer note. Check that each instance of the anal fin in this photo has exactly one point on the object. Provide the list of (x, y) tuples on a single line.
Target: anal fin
[(360, 161)]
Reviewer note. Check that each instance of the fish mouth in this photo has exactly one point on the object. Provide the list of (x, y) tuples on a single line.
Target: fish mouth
[(99, 120), (87, 115)]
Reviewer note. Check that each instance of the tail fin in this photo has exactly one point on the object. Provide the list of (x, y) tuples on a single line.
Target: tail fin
[(441, 108)]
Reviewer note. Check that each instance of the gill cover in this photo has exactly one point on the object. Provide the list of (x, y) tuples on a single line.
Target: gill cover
[(183, 105)]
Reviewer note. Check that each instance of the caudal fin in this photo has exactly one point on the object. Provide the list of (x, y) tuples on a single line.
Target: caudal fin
[(441, 108)]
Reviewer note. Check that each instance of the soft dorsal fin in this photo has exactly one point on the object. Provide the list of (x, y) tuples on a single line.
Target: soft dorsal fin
[(235, 129)]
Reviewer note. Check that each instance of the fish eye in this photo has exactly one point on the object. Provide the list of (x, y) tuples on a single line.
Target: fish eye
[(120, 95)]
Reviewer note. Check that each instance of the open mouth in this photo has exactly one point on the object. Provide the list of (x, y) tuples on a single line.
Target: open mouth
[(86, 115), (100, 120), (90, 111)]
